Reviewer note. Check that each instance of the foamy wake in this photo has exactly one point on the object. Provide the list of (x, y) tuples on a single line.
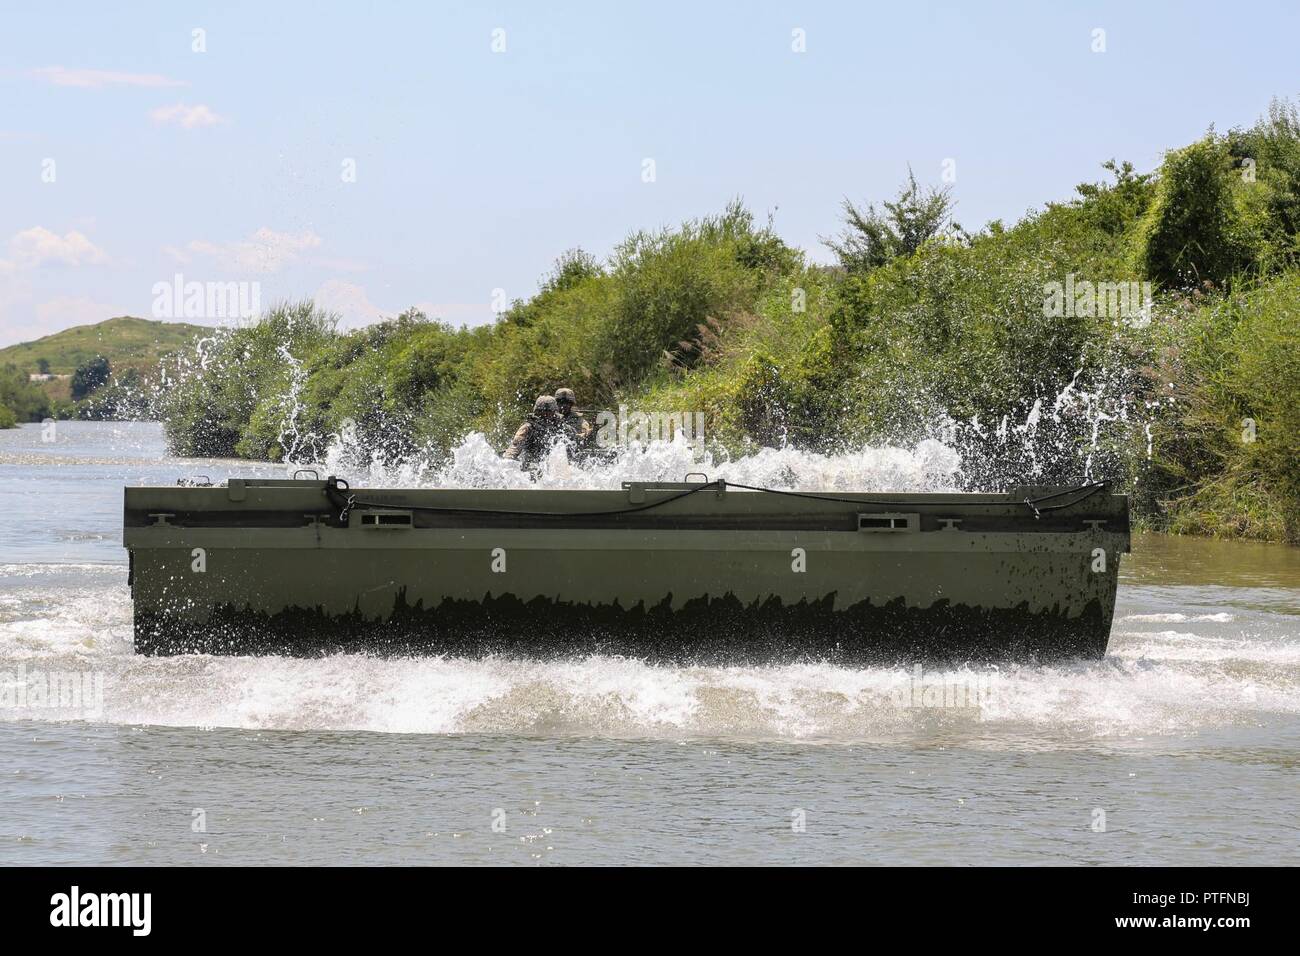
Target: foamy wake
[(623, 697), (1221, 617), (1153, 682)]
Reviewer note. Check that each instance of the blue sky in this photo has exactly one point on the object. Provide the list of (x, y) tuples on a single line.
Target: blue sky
[(475, 169)]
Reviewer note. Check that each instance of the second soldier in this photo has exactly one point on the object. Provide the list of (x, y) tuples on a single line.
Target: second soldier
[(577, 430), (542, 429)]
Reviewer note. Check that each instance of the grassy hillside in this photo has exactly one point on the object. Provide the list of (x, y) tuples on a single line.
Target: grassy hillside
[(133, 347), (125, 341)]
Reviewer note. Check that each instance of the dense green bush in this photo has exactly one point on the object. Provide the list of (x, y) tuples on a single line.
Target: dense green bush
[(239, 394), (1227, 429), (20, 399), (1267, 187), (964, 331), (607, 332), (122, 397), (1193, 232)]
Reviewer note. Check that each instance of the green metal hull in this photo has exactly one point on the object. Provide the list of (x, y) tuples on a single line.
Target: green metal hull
[(268, 567)]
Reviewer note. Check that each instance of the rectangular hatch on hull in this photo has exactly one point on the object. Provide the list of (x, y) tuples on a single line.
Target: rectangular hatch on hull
[(889, 522), (385, 519)]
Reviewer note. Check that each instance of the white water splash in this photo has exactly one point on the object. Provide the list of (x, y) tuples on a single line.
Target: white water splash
[(931, 466), (1017, 452), (291, 437)]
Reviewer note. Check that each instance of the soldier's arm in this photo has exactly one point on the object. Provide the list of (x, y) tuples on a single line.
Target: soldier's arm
[(518, 442)]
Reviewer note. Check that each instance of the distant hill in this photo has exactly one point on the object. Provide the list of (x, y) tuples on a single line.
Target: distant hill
[(125, 341)]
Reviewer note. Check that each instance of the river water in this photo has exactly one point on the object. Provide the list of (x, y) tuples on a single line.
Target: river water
[(1181, 747)]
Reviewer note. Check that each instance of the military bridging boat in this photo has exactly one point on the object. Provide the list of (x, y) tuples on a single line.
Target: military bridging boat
[(699, 570)]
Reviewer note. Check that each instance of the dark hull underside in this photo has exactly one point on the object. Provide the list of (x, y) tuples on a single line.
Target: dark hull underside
[(706, 630)]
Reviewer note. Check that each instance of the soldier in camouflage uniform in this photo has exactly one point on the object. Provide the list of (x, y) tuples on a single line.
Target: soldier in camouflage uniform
[(536, 435), (577, 429)]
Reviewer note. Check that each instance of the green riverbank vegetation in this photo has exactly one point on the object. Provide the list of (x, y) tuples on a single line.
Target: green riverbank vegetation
[(1145, 330)]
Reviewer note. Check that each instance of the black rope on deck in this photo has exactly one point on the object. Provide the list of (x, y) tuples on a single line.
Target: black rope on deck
[(337, 491), (1088, 490), (333, 491)]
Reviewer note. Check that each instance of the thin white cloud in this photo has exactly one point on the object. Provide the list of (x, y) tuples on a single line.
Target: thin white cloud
[(341, 265), (355, 309), (69, 310), (22, 319), (97, 79), (15, 308), (38, 246), (263, 252), (179, 256), (186, 116), (459, 313), (349, 301)]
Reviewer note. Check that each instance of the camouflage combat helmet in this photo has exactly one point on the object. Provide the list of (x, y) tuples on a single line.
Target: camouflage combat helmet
[(546, 404), (563, 395)]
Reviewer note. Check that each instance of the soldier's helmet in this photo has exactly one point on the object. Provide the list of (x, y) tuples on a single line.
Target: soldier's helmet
[(546, 405), (565, 396)]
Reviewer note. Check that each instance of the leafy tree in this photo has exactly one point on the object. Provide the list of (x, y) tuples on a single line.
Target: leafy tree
[(573, 267), (1115, 207), (571, 270), (871, 238), (1192, 233), (90, 376)]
